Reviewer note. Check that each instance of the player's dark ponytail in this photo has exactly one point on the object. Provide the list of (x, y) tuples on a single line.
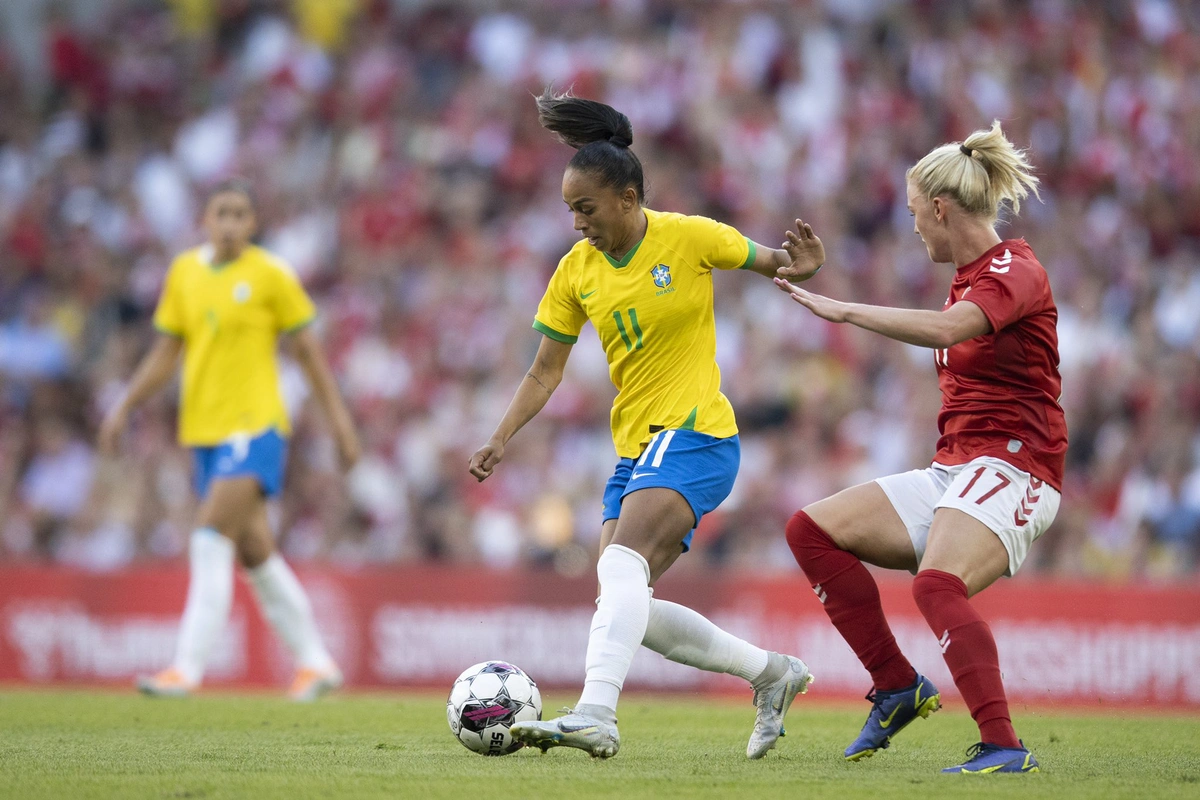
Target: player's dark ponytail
[(236, 184), (601, 136)]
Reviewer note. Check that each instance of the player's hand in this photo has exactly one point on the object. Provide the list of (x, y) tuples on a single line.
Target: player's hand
[(823, 307), (111, 430), (485, 460), (805, 250)]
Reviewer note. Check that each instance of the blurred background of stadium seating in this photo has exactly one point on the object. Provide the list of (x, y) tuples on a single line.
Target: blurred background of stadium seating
[(401, 169)]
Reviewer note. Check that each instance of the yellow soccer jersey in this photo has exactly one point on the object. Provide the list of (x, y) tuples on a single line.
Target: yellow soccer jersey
[(230, 317), (653, 311)]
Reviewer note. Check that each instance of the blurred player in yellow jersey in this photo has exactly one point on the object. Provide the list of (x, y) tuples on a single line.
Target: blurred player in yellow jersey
[(644, 280), (224, 306)]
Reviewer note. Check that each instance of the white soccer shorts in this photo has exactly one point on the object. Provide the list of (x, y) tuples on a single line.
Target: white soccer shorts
[(1016, 506)]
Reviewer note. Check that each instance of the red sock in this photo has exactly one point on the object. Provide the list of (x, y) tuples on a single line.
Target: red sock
[(851, 600), (969, 650)]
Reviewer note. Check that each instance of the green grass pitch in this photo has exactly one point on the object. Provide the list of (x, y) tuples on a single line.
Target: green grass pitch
[(75, 744)]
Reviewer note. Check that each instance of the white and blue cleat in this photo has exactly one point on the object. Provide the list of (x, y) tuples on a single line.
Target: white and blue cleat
[(773, 702), (577, 728)]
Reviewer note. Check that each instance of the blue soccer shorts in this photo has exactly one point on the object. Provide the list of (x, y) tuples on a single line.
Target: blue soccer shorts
[(261, 456), (700, 467)]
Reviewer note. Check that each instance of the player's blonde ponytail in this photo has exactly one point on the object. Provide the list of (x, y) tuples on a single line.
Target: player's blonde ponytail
[(980, 174)]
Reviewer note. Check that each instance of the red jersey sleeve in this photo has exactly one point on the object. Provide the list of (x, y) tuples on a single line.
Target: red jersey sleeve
[(1009, 292)]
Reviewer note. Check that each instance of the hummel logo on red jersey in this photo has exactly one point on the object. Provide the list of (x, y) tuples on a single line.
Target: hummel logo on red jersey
[(820, 593), (1001, 264), (1021, 516)]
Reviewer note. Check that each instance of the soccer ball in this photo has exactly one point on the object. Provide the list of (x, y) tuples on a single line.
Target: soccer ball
[(485, 702)]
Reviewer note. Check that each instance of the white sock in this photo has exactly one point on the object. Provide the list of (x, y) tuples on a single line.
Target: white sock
[(210, 594), (285, 605), (618, 626), (682, 635)]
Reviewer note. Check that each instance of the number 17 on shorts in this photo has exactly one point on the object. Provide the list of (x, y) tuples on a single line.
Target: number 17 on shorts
[(1016, 506)]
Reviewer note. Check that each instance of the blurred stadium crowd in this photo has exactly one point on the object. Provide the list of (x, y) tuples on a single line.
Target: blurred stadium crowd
[(401, 169)]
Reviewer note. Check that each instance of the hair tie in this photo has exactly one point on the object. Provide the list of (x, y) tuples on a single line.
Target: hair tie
[(966, 150)]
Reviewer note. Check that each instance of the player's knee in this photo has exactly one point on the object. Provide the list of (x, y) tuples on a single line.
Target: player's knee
[(658, 546), (253, 551), (220, 520), (931, 586), (806, 538), (922, 588), (797, 528)]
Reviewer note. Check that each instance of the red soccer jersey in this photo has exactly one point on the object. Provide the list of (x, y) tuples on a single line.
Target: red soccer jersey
[(1000, 390)]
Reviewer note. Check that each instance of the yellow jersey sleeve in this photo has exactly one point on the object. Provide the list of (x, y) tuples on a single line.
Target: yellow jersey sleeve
[(560, 314), (169, 316), (720, 246), (292, 306)]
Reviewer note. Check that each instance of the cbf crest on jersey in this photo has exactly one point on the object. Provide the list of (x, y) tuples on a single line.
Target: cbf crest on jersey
[(662, 276)]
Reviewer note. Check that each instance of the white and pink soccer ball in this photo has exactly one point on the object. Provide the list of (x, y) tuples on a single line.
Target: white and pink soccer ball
[(485, 701)]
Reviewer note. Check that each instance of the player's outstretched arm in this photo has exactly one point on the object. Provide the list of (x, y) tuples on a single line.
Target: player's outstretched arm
[(156, 369), (798, 259), (316, 368), (535, 389), (936, 329)]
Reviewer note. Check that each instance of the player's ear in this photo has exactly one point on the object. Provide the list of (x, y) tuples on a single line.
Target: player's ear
[(629, 199)]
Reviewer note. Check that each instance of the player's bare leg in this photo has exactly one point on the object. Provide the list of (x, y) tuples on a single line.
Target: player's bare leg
[(286, 606), (862, 521), (831, 539), (963, 546), (964, 557), (210, 584), (682, 635), (645, 543)]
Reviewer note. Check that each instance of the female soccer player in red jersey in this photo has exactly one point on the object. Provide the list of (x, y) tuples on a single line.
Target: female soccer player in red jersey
[(994, 484), (643, 278)]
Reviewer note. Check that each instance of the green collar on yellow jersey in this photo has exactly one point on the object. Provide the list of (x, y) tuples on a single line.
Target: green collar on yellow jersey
[(208, 256), (624, 262)]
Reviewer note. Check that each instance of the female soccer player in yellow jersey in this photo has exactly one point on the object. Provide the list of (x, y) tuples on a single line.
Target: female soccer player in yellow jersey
[(644, 279), (224, 306)]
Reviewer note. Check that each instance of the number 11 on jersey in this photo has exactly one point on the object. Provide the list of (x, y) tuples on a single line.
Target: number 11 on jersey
[(633, 324)]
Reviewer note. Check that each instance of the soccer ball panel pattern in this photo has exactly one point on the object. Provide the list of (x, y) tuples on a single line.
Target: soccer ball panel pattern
[(485, 701)]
